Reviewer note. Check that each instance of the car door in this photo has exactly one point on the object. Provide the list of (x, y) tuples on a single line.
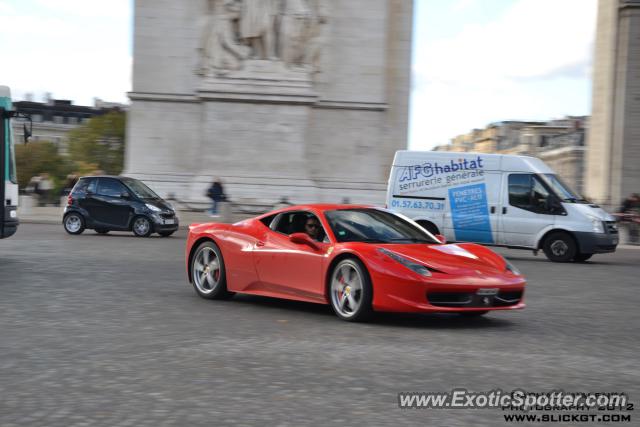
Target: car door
[(288, 268), (108, 205), (526, 209)]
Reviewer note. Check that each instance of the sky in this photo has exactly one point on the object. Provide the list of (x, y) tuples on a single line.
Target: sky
[(474, 61)]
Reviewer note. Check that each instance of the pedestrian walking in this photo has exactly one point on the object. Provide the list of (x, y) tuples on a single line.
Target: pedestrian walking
[(630, 217), (217, 195)]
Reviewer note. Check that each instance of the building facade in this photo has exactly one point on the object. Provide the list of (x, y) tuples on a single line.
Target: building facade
[(306, 99), (54, 119), (613, 154), (559, 143)]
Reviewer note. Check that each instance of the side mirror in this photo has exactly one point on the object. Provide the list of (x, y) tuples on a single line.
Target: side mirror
[(303, 239), (441, 238), (125, 195)]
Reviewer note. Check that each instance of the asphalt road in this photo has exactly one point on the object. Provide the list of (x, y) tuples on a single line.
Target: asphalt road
[(105, 330)]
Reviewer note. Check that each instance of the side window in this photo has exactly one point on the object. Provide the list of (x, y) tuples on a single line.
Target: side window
[(110, 188), (539, 196), (268, 220), (301, 222), (520, 190), (527, 192), (85, 185)]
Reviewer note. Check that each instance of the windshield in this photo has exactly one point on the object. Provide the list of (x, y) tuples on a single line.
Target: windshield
[(375, 226), (561, 189), (139, 189)]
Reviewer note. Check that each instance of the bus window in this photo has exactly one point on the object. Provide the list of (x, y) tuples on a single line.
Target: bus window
[(12, 156)]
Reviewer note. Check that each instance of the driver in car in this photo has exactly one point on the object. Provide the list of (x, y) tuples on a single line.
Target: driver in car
[(313, 228)]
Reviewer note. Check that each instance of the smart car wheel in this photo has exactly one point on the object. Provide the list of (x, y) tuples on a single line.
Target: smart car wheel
[(141, 226), (350, 290), (208, 273), (73, 223), (559, 247)]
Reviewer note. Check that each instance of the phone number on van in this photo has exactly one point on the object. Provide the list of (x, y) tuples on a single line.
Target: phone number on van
[(417, 204)]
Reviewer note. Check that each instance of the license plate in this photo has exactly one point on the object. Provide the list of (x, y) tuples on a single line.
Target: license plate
[(487, 291), (168, 221)]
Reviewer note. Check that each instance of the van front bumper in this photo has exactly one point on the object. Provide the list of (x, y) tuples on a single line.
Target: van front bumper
[(596, 243)]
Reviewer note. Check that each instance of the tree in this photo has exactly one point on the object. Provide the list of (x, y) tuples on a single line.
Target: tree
[(100, 142), (38, 157)]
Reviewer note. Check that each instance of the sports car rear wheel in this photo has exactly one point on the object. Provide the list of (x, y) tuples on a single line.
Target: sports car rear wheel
[(208, 272), (351, 290)]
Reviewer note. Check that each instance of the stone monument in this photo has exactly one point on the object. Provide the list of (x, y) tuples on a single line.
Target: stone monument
[(613, 144), (306, 99)]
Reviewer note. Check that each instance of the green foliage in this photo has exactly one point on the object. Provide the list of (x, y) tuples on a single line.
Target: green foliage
[(100, 142), (38, 157)]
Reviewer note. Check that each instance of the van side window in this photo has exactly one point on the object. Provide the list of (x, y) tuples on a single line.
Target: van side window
[(527, 192)]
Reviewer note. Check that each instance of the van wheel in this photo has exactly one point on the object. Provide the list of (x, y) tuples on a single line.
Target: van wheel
[(560, 247), (582, 257), (429, 227)]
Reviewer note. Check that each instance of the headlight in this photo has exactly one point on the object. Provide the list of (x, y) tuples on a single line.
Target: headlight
[(153, 208), (415, 267), (597, 225), (512, 268)]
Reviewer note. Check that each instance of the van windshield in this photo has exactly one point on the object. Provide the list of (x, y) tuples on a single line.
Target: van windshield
[(139, 189), (562, 190)]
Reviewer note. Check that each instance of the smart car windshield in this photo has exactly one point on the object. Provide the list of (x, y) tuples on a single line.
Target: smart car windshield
[(375, 226), (139, 189)]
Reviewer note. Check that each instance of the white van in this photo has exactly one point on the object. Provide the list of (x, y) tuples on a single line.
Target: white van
[(502, 200)]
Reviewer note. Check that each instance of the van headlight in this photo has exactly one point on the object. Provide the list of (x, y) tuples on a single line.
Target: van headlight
[(596, 224), (413, 266)]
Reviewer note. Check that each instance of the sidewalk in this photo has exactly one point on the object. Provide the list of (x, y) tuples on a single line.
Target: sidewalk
[(53, 215)]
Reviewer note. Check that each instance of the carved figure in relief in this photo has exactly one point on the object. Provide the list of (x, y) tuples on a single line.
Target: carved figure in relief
[(221, 51)]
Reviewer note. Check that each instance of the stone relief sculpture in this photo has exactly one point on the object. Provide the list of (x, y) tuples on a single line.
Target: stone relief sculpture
[(290, 32), (220, 51), (257, 27), (294, 28)]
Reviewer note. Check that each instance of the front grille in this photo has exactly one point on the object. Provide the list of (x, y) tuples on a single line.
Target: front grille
[(165, 215), (611, 227), (471, 299)]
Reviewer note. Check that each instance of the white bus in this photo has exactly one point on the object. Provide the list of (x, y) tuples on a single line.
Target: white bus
[(9, 187)]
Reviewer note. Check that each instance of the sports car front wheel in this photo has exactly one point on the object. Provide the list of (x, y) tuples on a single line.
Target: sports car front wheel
[(208, 273), (351, 291)]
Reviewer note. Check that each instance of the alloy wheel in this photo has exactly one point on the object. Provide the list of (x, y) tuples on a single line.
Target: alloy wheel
[(346, 289), (206, 270)]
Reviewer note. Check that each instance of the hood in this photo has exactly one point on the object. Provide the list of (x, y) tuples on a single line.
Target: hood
[(464, 259), (589, 210)]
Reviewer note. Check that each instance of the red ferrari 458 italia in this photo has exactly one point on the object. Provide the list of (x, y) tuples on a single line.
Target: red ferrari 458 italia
[(358, 259)]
